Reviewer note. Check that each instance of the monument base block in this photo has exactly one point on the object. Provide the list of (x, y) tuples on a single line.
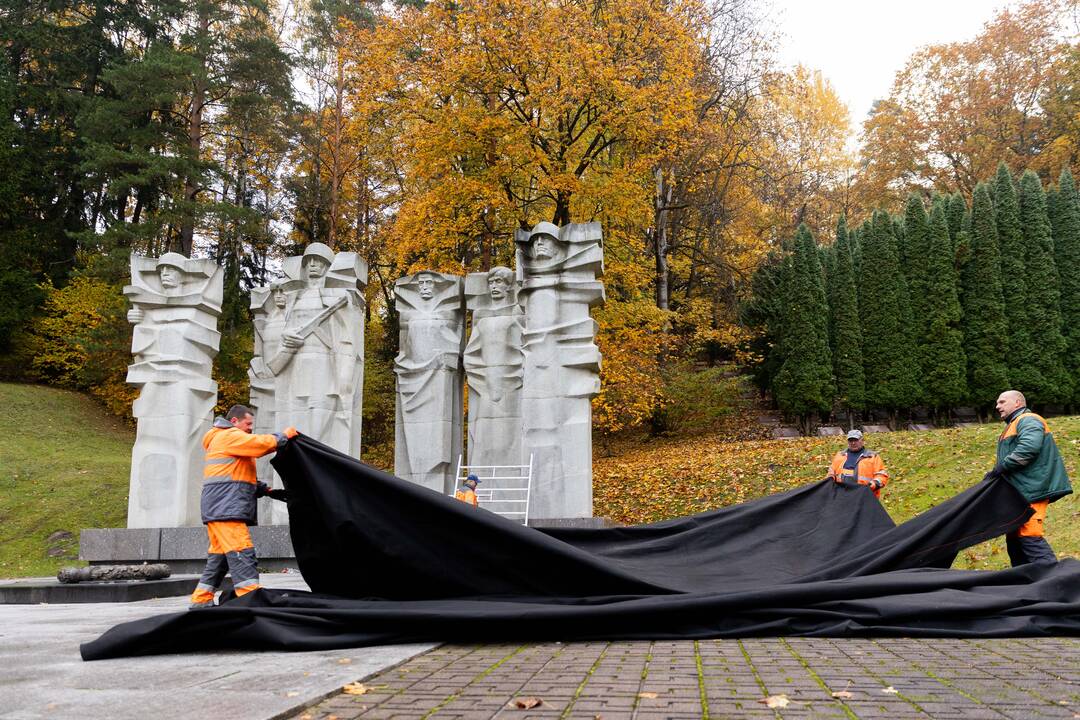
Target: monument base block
[(182, 549), (31, 591), (583, 523)]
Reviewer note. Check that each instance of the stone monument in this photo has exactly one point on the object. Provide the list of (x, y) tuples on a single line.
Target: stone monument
[(268, 317), (311, 352), (176, 303), (428, 414), (559, 268), (494, 365)]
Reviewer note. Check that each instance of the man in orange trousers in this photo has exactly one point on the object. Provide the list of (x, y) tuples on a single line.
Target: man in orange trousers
[(230, 489)]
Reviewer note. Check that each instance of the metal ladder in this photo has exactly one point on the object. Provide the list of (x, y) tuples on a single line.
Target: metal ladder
[(516, 496)]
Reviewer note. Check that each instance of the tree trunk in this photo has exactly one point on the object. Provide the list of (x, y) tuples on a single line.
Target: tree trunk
[(336, 151), (562, 208), (662, 201), (195, 130)]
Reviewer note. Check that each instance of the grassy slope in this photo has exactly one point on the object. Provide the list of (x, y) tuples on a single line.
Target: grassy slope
[(679, 477), (63, 467)]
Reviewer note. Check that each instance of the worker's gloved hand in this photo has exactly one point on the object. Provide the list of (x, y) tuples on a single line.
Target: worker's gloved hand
[(834, 478), (285, 435), (997, 471), (875, 484), (279, 494)]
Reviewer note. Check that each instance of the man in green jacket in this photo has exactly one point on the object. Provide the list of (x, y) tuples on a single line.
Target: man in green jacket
[(1028, 458)]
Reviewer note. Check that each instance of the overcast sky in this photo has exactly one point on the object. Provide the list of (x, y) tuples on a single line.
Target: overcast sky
[(860, 45)]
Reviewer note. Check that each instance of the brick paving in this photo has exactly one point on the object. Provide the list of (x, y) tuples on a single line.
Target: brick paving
[(887, 678)]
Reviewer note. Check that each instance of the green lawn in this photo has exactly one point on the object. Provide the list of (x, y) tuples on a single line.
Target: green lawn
[(63, 467), (649, 481)]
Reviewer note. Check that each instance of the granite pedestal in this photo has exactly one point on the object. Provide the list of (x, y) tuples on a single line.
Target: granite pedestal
[(183, 549), (32, 591)]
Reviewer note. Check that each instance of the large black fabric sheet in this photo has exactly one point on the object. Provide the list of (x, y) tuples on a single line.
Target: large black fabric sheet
[(389, 561)]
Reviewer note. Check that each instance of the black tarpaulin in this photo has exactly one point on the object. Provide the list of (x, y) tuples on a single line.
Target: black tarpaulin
[(389, 561)]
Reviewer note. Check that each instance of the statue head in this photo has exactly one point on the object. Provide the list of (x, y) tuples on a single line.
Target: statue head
[(544, 242), (170, 268), (425, 284), (277, 290), (316, 261), (500, 280)]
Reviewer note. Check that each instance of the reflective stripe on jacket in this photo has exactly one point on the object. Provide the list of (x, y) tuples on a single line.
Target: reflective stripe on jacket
[(870, 467), (1030, 457), (230, 486)]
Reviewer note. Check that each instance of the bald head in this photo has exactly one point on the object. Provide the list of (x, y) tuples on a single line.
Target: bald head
[(1009, 402)]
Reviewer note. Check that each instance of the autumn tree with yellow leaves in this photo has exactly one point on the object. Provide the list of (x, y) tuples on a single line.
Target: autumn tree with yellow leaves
[(499, 115), (958, 109)]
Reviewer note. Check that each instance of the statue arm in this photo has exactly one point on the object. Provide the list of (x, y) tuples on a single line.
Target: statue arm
[(281, 360)]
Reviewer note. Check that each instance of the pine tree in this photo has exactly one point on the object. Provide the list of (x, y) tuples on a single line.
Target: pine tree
[(764, 311), (1066, 229), (918, 241), (846, 336), (828, 263), (901, 243), (1020, 349), (941, 346), (985, 330), (857, 237), (1044, 294), (890, 360), (954, 215), (804, 384)]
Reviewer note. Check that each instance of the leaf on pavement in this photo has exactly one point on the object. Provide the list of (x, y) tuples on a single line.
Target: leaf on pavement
[(775, 701), (890, 690), (843, 694), (647, 695), (527, 703)]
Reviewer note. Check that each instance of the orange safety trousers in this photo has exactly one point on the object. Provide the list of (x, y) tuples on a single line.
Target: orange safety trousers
[(1034, 526), (231, 550)]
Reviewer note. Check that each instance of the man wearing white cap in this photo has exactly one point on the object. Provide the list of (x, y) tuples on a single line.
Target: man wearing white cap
[(857, 464)]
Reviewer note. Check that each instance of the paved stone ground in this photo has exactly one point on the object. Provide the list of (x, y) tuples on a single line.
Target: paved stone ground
[(888, 678), (43, 678)]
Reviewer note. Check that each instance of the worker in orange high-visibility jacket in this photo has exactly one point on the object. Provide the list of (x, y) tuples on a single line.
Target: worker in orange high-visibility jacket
[(467, 493), (230, 489), (857, 464)]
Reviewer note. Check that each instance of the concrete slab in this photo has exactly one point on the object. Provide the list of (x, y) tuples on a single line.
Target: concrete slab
[(120, 545), (30, 591), (920, 426), (785, 433), (182, 548), (44, 677), (589, 523), (876, 428), (829, 430)]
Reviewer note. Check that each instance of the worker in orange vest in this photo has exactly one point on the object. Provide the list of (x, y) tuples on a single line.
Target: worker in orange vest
[(467, 493), (858, 464), (230, 488)]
